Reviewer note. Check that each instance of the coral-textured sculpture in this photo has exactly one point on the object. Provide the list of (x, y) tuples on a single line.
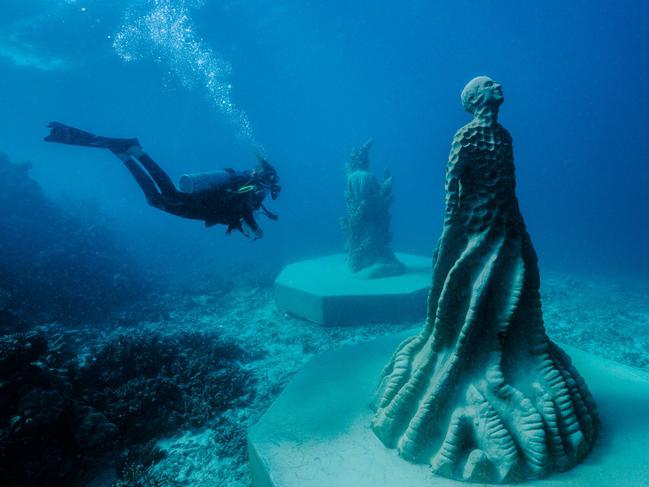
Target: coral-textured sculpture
[(367, 223), (482, 394)]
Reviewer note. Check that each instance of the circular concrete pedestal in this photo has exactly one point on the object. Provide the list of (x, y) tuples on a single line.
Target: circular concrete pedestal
[(325, 291), (317, 433)]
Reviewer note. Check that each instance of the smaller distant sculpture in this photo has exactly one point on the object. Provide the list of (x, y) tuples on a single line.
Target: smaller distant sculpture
[(367, 223)]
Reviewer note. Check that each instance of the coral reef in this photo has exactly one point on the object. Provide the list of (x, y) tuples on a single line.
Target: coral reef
[(367, 223), (58, 262), (172, 381), (482, 393), (62, 421), (9, 322), (46, 435)]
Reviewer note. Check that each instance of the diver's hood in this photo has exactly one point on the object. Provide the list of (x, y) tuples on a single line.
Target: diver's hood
[(268, 177)]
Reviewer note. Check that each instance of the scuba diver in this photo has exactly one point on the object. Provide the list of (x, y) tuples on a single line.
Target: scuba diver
[(226, 197)]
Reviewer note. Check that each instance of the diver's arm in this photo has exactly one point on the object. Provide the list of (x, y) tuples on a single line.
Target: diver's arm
[(268, 213)]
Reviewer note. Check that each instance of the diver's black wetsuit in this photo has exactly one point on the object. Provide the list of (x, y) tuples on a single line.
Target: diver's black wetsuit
[(222, 204), (231, 202)]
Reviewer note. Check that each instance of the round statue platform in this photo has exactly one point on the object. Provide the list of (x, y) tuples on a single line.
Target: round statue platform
[(325, 291), (317, 433)]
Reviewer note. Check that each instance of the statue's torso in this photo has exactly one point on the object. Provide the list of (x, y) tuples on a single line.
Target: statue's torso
[(480, 180), (361, 185)]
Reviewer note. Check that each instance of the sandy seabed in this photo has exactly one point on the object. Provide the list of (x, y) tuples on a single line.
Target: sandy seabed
[(608, 317)]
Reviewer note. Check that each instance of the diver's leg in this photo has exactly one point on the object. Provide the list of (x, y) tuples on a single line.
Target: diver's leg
[(171, 201), (122, 148), (158, 174), (153, 196)]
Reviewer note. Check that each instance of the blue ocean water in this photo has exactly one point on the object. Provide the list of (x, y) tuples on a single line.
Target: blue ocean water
[(206, 84)]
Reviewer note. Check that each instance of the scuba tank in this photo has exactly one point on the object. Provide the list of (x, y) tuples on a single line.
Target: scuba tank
[(194, 183)]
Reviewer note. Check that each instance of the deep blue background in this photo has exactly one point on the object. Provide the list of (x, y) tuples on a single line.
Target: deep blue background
[(319, 77)]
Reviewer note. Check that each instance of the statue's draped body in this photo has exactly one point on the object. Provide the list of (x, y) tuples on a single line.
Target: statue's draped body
[(482, 394), (367, 223)]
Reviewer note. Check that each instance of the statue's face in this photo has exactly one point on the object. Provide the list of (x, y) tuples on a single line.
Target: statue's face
[(482, 91), (490, 91)]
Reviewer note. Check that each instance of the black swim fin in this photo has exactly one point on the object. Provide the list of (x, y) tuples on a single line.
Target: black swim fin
[(64, 134)]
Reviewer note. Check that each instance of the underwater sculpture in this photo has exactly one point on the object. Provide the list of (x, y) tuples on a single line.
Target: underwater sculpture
[(482, 394), (367, 223), (369, 283)]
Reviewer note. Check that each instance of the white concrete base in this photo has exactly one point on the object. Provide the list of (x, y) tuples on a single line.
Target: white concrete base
[(325, 291), (317, 432)]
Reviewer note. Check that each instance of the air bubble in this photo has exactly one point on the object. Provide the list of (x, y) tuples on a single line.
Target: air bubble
[(164, 32)]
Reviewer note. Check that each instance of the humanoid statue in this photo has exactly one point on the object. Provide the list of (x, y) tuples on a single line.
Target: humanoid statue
[(367, 223), (482, 394)]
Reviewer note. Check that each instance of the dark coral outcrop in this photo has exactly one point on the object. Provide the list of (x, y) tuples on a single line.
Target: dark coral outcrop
[(170, 381), (58, 261), (62, 421), (42, 423)]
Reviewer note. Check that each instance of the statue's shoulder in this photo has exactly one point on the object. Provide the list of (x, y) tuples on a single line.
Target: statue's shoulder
[(504, 133), (463, 134)]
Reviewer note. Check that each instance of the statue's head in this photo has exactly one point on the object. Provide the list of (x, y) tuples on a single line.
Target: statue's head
[(360, 159), (482, 92)]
